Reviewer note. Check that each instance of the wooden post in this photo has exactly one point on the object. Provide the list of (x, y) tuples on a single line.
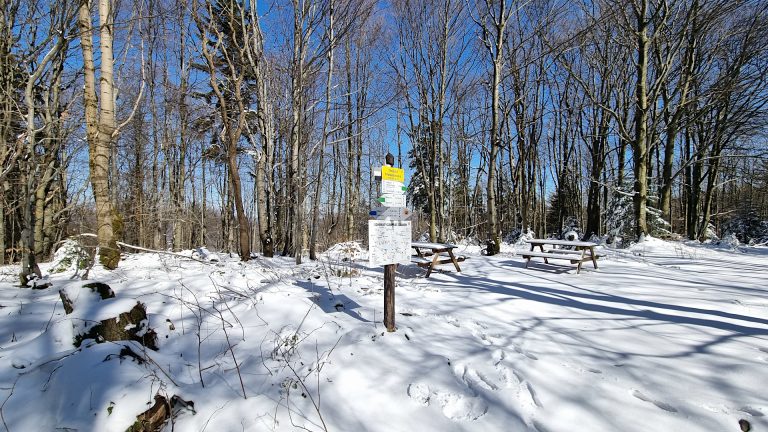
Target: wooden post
[(389, 279), (389, 296)]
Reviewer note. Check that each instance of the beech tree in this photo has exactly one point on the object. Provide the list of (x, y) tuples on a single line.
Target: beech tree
[(100, 122)]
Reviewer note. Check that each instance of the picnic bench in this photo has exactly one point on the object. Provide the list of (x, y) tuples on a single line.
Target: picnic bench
[(440, 253), (581, 251)]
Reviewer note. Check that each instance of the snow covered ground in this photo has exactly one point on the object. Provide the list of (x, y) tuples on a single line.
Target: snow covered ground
[(663, 336)]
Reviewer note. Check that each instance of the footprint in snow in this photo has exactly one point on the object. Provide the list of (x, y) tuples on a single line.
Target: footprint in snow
[(419, 393), (457, 407), (754, 412), (473, 378), (498, 356), (508, 376), (453, 321), (529, 405), (528, 395), (538, 426), (524, 352), (765, 351), (662, 405), (583, 369)]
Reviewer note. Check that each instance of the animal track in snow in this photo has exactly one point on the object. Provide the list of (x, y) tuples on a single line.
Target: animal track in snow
[(662, 405)]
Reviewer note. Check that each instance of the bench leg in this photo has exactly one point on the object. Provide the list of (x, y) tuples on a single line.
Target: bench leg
[(541, 247), (453, 259), (432, 265)]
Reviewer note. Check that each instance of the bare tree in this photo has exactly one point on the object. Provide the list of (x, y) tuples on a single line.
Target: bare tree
[(223, 45), (492, 20), (36, 175), (100, 121)]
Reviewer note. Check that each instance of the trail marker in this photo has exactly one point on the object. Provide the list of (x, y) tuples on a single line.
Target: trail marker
[(389, 234), (390, 213)]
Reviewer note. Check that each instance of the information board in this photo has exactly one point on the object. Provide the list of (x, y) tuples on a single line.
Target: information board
[(389, 242)]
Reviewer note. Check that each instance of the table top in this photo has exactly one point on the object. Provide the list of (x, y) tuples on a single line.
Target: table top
[(560, 242), (428, 245)]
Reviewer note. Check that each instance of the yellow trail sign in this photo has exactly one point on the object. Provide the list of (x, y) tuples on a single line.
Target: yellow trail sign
[(393, 174)]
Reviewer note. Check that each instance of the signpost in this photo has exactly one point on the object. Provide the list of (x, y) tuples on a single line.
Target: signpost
[(389, 233), (390, 213), (390, 187), (392, 200)]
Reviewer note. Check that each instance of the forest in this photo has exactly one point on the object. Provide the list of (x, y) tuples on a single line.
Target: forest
[(255, 127)]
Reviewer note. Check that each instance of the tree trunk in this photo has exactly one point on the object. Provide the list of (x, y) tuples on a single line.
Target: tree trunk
[(640, 143), (349, 183), (493, 224), (323, 139), (100, 124)]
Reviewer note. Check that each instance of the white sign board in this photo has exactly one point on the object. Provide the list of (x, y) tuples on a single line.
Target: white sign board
[(390, 213), (392, 200), (389, 242), (392, 187)]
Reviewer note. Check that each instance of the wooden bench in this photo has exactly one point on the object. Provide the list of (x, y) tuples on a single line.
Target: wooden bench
[(441, 253), (581, 252)]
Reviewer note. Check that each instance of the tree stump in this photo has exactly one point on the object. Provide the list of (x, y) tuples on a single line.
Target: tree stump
[(153, 419), (131, 325), (127, 326)]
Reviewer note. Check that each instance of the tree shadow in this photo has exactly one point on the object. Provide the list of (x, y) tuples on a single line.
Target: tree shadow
[(330, 302)]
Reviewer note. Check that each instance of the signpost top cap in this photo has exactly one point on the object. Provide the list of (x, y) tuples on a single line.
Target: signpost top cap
[(389, 158)]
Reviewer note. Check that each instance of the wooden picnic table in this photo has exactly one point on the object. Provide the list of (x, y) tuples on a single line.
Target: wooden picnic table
[(441, 253), (582, 251)]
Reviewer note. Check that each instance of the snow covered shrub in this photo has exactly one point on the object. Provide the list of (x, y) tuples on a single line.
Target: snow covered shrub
[(657, 226), (710, 233), (512, 237), (204, 254), (341, 257), (747, 226), (70, 256), (729, 241), (620, 217), (347, 251), (571, 229)]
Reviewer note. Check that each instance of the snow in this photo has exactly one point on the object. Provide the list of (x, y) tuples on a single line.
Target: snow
[(663, 336)]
